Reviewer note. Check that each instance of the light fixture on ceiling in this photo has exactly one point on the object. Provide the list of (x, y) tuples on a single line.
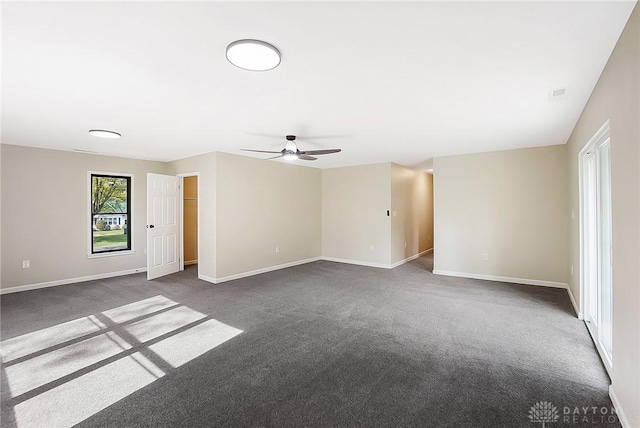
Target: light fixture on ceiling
[(102, 133), (253, 55), (290, 157)]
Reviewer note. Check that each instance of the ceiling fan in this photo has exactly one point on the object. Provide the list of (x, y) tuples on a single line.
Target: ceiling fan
[(291, 151)]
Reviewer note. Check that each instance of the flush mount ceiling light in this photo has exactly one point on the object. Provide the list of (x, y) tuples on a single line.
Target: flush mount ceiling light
[(104, 133), (253, 55)]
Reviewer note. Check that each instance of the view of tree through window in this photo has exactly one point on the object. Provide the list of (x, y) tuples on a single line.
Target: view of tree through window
[(110, 213)]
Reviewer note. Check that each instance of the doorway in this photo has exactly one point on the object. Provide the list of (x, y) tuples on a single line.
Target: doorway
[(189, 221), (596, 241)]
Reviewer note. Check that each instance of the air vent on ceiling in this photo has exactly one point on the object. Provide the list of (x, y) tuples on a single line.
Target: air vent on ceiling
[(557, 94)]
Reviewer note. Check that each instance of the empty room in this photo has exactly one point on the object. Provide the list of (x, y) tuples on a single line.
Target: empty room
[(339, 214)]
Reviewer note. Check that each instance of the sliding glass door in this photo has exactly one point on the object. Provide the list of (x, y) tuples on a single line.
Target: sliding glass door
[(596, 273)]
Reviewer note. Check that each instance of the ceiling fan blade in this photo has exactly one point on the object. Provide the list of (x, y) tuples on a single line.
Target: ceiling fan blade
[(320, 152), (306, 157), (275, 157), (278, 136), (259, 151), (322, 137)]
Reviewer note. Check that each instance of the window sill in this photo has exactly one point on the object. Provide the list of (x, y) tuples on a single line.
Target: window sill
[(110, 254)]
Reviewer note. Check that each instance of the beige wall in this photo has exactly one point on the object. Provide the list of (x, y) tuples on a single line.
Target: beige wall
[(205, 166), (411, 212), (511, 205), (263, 205), (355, 201), (44, 199), (616, 97)]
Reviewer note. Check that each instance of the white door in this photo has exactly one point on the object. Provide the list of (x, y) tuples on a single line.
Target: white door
[(162, 225)]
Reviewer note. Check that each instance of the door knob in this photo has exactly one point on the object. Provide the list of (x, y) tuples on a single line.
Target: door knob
[(150, 226)]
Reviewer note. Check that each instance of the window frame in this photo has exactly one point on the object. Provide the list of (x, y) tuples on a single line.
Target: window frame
[(130, 213)]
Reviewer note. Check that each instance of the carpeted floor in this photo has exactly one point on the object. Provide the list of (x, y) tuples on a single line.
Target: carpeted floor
[(322, 344)]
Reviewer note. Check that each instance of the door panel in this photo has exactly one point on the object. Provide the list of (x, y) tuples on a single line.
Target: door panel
[(162, 225)]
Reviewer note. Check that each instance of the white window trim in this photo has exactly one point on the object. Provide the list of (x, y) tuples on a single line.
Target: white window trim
[(91, 255)]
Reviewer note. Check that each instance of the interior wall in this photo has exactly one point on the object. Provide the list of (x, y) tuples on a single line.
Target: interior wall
[(410, 203), (190, 219), (616, 97), (206, 166), (355, 225), (510, 205), (263, 206), (45, 200)]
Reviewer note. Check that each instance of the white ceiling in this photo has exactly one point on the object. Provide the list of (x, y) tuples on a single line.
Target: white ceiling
[(399, 82)]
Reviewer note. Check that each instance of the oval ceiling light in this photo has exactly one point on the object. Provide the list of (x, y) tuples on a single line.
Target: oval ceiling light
[(104, 133), (253, 55)]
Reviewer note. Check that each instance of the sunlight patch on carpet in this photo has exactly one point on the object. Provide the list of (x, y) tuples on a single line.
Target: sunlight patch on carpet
[(62, 375)]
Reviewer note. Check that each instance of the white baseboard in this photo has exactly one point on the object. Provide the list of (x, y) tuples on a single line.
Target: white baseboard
[(356, 262), (430, 250), (408, 259), (262, 270), (502, 279), (70, 281), (301, 262), (190, 262), (207, 278), (375, 265), (622, 417), (573, 302)]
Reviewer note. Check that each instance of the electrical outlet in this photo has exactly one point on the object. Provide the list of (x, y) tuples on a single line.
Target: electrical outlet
[(485, 256), (25, 264), (405, 245), (277, 250), (371, 247)]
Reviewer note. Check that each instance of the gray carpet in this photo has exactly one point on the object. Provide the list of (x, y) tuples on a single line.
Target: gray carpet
[(329, 344)]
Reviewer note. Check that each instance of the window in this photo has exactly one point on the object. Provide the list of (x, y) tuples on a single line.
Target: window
[(110, 213)]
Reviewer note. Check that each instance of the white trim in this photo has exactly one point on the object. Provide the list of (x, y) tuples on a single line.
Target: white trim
[(606, 361), (622, 417), (262, 270), (181, 221), (55, 283), (111, 254), (182, 176), (575, 305), (503, 279), (301, 262), (189, 263), (430, 250), (207, 278), (408, 259), (356, 262), (600, 138)]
